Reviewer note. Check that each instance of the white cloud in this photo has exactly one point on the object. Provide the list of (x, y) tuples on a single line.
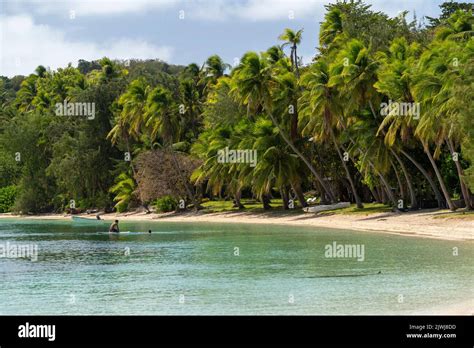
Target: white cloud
[(255, 10), (25, 45), (90, 7), (218, 10)]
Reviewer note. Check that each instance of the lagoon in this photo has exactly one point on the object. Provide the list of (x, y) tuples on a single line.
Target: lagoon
[(226, 269)]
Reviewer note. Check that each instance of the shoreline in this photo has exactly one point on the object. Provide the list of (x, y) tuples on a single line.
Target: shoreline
[(411, 224)]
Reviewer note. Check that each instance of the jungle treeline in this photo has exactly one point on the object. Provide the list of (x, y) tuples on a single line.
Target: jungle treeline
[(383, 112)]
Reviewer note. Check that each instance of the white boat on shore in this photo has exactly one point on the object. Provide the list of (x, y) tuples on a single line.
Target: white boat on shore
[(324, 207)]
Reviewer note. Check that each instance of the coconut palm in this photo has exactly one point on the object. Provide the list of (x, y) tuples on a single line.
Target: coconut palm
[(320, 104), (253, 82), (292, 39)]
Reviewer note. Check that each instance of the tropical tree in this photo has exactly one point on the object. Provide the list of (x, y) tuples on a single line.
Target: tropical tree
[(320, 104), (253, 81)]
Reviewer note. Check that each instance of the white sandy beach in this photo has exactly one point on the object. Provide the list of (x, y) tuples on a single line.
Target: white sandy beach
[(427, 223)]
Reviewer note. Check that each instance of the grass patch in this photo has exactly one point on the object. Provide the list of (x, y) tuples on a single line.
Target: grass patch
[(277, 205), (249, 204), (462, 215), (369, 208)]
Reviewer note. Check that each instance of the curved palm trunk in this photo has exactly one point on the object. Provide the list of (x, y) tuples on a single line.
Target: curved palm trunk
[(387, 187), (304, 159), (413, 201), (401, 189), (348, 174), (376, 195), (465, 191), (440, 178), (382, 179), (438, 195)]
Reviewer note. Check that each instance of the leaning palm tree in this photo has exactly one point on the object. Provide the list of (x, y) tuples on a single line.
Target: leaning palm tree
[(331, 28), (394, 80), (252, 86), (320, 104), (432, 75), (353, 73)]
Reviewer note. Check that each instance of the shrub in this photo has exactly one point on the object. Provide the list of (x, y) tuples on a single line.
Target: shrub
[(165, 204), (7, 198)]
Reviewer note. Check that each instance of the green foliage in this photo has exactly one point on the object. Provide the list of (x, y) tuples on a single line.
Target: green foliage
[(123, 189), (165, 204), (7, 198), (365, 59)]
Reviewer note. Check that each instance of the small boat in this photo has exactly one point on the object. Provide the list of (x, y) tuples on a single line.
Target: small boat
[(324, 207), (84, 220)]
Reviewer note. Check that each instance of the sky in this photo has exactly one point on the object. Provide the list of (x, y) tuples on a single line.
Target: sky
[(55, 33)]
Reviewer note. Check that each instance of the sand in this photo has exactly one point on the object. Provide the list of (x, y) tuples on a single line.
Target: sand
[(426, 223)]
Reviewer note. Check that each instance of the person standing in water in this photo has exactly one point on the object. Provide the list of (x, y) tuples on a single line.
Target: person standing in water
[(114, 227)]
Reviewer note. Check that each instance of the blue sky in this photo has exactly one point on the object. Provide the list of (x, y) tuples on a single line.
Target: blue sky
[(54, 33)]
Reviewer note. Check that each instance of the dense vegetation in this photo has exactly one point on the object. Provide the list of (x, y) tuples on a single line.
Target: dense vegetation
[(333, 129)]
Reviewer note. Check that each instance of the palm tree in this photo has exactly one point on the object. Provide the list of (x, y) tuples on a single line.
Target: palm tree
[(353, 73), (212, 70), (330, 28), (133, 103), (162, 122), (253, 81), (292, 39), (320, 103)]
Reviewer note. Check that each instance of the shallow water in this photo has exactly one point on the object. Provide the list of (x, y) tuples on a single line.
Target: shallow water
[(185, 268)]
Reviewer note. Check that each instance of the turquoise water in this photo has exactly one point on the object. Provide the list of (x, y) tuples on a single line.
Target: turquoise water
[(185, 268)]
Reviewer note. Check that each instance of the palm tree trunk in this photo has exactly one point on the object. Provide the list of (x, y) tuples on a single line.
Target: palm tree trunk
[(285, 197), (299, 194), (266, 201), (465, 191), (413, 201), (388, 189), (297, 69), (438, 195), (375, 192), (440, 178), (304, 159), (237, 198), (401, 188), (348, 174)]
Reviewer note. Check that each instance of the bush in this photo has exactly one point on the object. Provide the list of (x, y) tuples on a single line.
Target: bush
[(7, 198), (165, 204)]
